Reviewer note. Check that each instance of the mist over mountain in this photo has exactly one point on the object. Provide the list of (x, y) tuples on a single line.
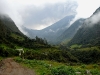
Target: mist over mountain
[(89, 33), (11, 36), (9, 32), (71, 31), (52, 32), (9, 24)]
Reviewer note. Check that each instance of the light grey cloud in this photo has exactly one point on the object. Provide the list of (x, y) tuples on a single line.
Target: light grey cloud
[(9, 8), (48, 14), (94, 19), (36, 16)]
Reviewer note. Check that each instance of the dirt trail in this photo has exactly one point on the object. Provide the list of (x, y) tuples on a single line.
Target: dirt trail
[(10, 67)]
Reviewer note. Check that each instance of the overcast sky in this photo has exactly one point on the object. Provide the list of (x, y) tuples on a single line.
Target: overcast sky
[(38, 14)]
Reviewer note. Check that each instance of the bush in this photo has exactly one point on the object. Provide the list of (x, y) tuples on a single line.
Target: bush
[(83, 66), (18, 59), (8, 52), (95, 66), (87, 56), (62, 70), (95, 72)]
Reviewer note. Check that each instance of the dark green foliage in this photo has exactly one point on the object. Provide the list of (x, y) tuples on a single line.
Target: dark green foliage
[(56, 55), (32, 54), (87, 56), (10, 36), (88, 34), (62, 70), (61, 56), (83, 66), (95, 72), (95, 66), (35, 43), (8, 52)]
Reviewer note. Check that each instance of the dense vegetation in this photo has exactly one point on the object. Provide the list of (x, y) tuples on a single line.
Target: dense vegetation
[(36, 48), (87, 36), (54, 68), (11, 35), (87, 55), (89, 33), (50, 54)]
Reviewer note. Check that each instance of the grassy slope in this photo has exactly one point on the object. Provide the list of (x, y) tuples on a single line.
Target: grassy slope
[(43, 67), (20, 38)]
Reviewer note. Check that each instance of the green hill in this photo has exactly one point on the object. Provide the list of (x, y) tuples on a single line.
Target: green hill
[(89, 33), (71, 31), (11, 36)]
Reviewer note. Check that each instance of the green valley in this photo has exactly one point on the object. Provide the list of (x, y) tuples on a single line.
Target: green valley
[(77, 51)]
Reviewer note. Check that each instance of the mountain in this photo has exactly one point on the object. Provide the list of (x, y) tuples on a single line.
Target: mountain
[(8, 27), (9, 32), (8, 22), (11, 39), (71, 31), (89, 33), (11, 36), (52, 32)]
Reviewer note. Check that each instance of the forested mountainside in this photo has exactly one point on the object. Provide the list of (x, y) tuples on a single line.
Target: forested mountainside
[(11, 36), (89, 33), (71, 31)]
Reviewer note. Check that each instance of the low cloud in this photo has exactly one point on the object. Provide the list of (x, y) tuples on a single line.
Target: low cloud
[(31, 15), (48, 14), (94, 19)]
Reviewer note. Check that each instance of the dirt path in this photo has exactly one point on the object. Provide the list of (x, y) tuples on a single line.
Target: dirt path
[(10, 67)]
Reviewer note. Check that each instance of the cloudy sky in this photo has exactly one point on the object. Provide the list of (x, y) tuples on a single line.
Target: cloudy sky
[(38, 14)]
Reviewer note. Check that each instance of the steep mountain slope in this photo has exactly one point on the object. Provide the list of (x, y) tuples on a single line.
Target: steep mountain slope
[(52, 32), (71, 31), (89, 33), (10, 35), (8, 22)]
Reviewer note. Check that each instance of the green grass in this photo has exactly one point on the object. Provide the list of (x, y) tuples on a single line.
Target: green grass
[(17, 37), (89, 48), (1, 58), (75, 46), (3, 46), (44, 67), (65, 41)]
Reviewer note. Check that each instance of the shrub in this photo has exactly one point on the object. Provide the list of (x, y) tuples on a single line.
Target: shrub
[(62, 70), (95, 72), (18, 59), (83, 66), (95, 66)]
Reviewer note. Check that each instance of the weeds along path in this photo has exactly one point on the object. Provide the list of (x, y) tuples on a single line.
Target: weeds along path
[(10, 67)]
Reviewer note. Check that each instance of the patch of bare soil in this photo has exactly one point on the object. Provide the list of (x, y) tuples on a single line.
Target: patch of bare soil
[(10, 67)]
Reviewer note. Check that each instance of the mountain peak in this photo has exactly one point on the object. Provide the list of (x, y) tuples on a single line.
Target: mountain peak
[(97, 11)]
